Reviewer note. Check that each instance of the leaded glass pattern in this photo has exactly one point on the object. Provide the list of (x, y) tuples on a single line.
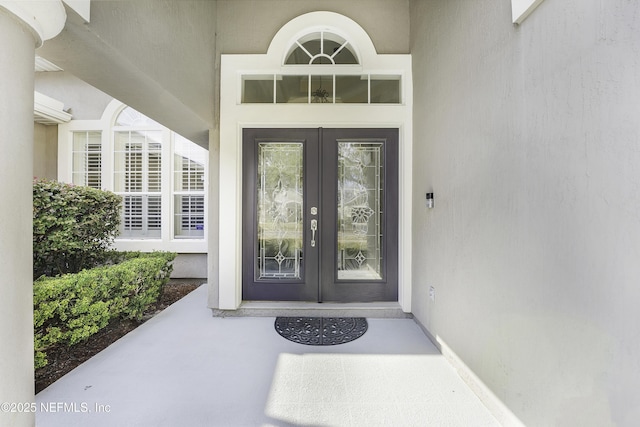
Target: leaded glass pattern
[(280, 210), (360, 210)]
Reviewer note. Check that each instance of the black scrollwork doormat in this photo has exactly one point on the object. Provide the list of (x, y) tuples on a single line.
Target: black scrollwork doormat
[(321, 330)]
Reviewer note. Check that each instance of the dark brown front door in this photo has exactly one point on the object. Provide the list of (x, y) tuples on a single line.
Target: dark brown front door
[(320, 216)]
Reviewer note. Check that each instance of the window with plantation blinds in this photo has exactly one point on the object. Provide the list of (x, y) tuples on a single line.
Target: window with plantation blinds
[(188, 189), (138, 179), (87, 159), (159, 174)]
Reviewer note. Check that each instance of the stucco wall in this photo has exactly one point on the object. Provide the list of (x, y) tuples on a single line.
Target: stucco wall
[(45, 151), (187, 266), (528, 136), (247, 26)]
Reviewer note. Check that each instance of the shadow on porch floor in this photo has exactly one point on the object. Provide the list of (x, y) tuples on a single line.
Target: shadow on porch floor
[(187, 368)]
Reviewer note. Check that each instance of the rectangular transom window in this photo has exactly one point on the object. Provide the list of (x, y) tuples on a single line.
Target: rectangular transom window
[(325, 88)]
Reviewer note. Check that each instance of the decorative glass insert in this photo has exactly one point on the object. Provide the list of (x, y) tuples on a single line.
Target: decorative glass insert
[(87, 159), (321, 47), (360, 210), (280, 210), (189, 162)]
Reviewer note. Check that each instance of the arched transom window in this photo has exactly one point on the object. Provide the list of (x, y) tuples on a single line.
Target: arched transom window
[(321, 47), (322, 66)]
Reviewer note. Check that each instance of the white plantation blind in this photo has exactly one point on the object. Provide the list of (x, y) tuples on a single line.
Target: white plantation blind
[(160, 176), (189, 162), (87, 159), (138, 178)]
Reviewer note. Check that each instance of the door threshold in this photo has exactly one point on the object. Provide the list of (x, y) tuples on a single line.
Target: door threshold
[(373, 310)]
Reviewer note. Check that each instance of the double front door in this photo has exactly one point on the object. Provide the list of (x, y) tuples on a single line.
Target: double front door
[(320, 216)]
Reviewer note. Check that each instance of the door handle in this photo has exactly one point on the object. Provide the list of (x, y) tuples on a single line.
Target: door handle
[(314, 228)]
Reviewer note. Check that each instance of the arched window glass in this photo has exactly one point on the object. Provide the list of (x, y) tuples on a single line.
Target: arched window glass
[(321, 48), (329, 71), (131, 117)]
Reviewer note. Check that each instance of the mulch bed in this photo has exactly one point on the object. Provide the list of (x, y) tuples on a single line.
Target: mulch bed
[(63, 359)]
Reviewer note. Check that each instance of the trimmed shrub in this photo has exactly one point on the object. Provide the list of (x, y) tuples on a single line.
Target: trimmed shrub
[(70, 308), (73, 227)]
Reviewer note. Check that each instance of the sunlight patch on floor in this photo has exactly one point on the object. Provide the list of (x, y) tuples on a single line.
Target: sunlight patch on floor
[(371, 390)]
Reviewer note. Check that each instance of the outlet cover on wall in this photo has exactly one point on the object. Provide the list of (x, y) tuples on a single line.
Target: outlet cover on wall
[(432, 293)]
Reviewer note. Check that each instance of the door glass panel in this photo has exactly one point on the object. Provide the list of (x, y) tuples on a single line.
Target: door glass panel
[(360, 210), (280, 210)]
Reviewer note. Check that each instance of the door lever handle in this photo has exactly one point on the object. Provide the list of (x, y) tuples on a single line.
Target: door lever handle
[(314, 228)]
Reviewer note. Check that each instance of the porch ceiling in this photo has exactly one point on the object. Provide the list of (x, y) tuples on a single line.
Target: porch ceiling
[(157, 57)]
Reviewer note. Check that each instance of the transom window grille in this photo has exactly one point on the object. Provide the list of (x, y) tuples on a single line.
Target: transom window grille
[(321, 67), (87, 159), (321, 88), (322, 47)]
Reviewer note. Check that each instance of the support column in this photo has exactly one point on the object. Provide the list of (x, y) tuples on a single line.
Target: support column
[(17, 52)]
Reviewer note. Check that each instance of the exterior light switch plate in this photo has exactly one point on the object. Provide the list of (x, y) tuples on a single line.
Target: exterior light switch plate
[(432, 293)]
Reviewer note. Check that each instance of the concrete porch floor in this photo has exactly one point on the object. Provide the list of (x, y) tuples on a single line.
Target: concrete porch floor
[(187, 368)]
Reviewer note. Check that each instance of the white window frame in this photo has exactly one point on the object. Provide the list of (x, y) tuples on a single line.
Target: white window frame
[(144, 192), (106, 125), (175, 193), (86, 153)]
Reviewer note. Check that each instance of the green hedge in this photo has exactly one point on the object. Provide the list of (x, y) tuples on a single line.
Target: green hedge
[(73, 227), (70, 308)]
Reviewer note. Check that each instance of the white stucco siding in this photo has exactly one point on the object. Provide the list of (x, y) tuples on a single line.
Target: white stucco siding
[(528, 137)]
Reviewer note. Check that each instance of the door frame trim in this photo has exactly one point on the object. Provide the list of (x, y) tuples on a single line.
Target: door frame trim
[(225, 151), (230, 213)]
